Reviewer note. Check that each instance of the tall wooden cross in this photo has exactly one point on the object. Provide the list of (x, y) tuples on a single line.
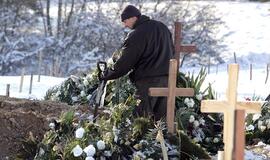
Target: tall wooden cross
[(228, 108), (180, 48), (171, 92)]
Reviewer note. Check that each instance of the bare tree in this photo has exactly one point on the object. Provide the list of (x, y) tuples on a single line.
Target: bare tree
[(59, 18), (49, 26)]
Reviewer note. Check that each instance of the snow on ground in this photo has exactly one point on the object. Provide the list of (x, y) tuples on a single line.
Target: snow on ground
[(38, 88)]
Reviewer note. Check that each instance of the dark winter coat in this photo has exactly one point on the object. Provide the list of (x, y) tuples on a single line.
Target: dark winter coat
[(146, 50)]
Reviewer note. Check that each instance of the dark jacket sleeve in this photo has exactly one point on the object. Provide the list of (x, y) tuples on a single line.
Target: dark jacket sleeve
[(131, 52)]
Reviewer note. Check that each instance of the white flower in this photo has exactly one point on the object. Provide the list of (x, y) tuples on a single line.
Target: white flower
[(116, 133), (196, 139), (256, 116), (74, 99), (216, 140), (89, 76), (41, 151), (186, 100), (89, 97), (89, 158), (79, 133), (52, 125), (80, 86), (107, 153), (90, 118), (196, 124), (101, 145), (262, 128), (202, 121), (77, 151), (260, 123), (250, 127), (82, 94), (90, 150), (139, 154), (191, 119), (85, 82), (199, 96), (189, 102), (207, 139), (268, 125)]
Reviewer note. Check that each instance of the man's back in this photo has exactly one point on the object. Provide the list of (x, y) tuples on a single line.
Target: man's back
[(157, 48)]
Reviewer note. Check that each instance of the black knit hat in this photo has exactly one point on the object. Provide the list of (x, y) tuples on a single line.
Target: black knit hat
[(130, 11)]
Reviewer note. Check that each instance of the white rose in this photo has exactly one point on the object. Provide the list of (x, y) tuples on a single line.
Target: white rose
[(202, 121), (256, 116), (191, 103), (89, 97), (52, 125), (89, 158), (90, 150), (207, 139), (196, 124), (85, 82), (74, 99), (268, 125), (199, 96), (262, 128), (191, 119), (260, 123), (196, 139), (82, 94), (101, 145), (77, 151), (79, 133), (107, 153), (250, 127), (186, 100), (216, 140)]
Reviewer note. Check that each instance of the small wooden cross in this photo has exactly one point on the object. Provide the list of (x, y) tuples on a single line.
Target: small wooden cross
[(171, 92), (228, 108), (177, 43)]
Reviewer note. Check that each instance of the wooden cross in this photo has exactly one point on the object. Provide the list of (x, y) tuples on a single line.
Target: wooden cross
[(228, 108), (177, 43), (171, 92)]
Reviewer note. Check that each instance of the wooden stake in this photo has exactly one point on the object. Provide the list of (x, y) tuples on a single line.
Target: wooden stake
[(39, 65), (21, 82), (234, 55), (8, 90), (267, 72), (31, 83), (209, 64), (250, 71)]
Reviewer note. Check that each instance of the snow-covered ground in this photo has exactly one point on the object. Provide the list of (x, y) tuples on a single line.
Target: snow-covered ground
[(38, 88)]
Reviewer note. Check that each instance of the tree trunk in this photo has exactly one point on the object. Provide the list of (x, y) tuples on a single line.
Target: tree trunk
[(43, 18), (48, 18), (59, 17)]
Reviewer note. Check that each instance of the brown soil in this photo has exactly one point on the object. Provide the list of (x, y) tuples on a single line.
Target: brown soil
[(19, 117)]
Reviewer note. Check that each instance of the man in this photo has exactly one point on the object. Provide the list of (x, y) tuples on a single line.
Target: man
[(146, 52)]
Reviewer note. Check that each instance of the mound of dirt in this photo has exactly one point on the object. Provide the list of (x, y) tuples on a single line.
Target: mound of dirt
[(19, 117)]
